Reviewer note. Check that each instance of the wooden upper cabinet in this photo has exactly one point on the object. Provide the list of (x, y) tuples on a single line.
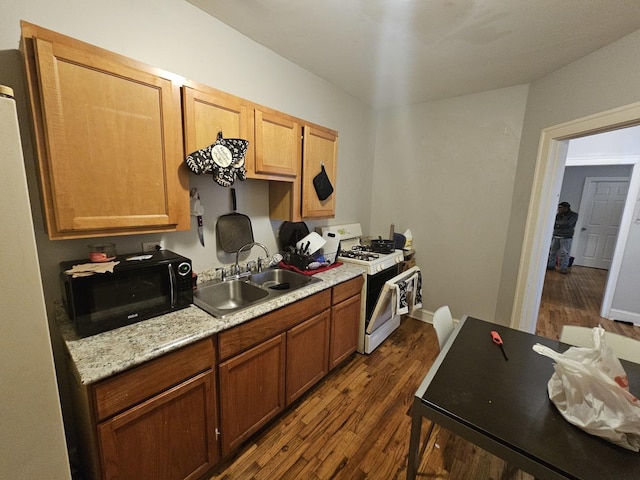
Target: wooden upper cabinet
[(108, 137), (320, 148), (278, 144), (207, 111)]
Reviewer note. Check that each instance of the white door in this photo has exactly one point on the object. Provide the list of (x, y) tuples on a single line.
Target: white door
[(603, 200)]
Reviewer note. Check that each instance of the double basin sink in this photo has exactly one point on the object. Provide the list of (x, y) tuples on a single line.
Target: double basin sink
[(222, 298)]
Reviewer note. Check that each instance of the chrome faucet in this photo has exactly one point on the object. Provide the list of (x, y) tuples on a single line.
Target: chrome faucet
[(249, 246)]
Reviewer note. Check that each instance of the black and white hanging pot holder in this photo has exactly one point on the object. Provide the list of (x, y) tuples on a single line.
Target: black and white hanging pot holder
[(322, 184), (224, 160)]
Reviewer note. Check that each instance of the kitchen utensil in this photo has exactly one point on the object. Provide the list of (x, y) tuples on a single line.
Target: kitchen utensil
[(497, 339), (291, 233), (310, 244), (332, 247), (322, 184), (233, 230), (399, 241), (197, 210), (382, 246)]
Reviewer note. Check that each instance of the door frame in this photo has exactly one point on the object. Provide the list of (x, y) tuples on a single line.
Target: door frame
[(577, 238), (545, 194)]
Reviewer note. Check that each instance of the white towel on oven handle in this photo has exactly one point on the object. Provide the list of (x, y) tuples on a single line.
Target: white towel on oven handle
[(411, 281)]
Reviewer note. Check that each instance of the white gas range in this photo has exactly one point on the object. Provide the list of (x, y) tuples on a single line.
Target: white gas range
[(378, 317), (352, 251)]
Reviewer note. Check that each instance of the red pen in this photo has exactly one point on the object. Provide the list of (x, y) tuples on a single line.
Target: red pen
[(495, 336)]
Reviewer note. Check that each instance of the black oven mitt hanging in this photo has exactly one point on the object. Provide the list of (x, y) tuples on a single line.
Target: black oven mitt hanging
[(224, 160), (322, 184)]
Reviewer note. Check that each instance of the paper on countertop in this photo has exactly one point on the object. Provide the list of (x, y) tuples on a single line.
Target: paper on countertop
[(87, 269)]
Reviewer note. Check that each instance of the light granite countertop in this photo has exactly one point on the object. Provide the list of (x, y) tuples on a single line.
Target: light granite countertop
[(99, 356)]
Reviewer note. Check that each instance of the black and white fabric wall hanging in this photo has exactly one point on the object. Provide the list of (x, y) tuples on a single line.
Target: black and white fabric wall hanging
[(224, 160)]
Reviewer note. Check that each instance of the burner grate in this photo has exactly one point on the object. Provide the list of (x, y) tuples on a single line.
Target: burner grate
[(359, 252)]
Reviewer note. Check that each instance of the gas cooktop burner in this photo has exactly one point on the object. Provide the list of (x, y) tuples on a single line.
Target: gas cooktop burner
[(359, 252)]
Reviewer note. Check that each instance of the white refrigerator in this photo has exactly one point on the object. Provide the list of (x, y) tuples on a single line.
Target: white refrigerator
[(32, 441)]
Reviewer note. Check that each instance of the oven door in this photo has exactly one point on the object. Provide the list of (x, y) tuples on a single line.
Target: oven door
[(385, 317), (375, 284)]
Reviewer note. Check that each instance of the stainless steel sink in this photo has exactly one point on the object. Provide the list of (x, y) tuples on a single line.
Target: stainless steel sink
[(281, 279), (221, 298)]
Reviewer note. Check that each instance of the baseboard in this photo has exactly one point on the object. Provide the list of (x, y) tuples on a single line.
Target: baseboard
[(422, 315), (426, 315), (625, 316)]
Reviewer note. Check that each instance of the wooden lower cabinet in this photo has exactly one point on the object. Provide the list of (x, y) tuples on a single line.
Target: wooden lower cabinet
[(345, 320), (167, 437), (251, 391), (307, 355), (157, 421), (344, 330)]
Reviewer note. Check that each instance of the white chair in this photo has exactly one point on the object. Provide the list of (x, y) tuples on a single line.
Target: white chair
[(443, 324), (623, 347)]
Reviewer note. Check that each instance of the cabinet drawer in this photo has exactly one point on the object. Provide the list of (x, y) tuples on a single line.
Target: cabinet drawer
[(347, 289), (134, 386), (242, 337)]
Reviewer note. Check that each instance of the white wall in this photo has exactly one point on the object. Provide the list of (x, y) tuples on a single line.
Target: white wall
[(445, 170), (601, 81)]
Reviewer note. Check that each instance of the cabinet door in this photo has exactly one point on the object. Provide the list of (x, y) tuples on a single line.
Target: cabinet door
[(208, 111), (307, 354), (345, 323), (109, 140), (169, 437), (320, 148), (251, 391), (278, 145)]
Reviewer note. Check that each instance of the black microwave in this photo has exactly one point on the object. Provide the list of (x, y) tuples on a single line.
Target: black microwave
[(141, 286)]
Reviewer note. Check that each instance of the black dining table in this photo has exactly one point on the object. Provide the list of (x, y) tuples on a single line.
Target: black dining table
[(503, 407)]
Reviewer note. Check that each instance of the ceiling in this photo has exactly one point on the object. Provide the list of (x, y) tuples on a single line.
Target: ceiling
[(395, 52)]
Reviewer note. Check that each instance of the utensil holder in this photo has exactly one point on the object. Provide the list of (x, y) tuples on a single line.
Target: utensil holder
[(298, 261)]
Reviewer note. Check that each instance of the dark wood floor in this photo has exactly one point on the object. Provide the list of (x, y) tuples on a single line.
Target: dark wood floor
[(355, 424), (575, 299)]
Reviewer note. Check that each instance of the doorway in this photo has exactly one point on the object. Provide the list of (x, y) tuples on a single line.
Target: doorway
[(544, 200)]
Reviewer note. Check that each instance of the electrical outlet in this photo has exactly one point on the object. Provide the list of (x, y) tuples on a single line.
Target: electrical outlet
[(151, 246)]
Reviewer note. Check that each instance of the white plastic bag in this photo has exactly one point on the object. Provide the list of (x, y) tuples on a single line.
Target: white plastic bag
[(590, 390)]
